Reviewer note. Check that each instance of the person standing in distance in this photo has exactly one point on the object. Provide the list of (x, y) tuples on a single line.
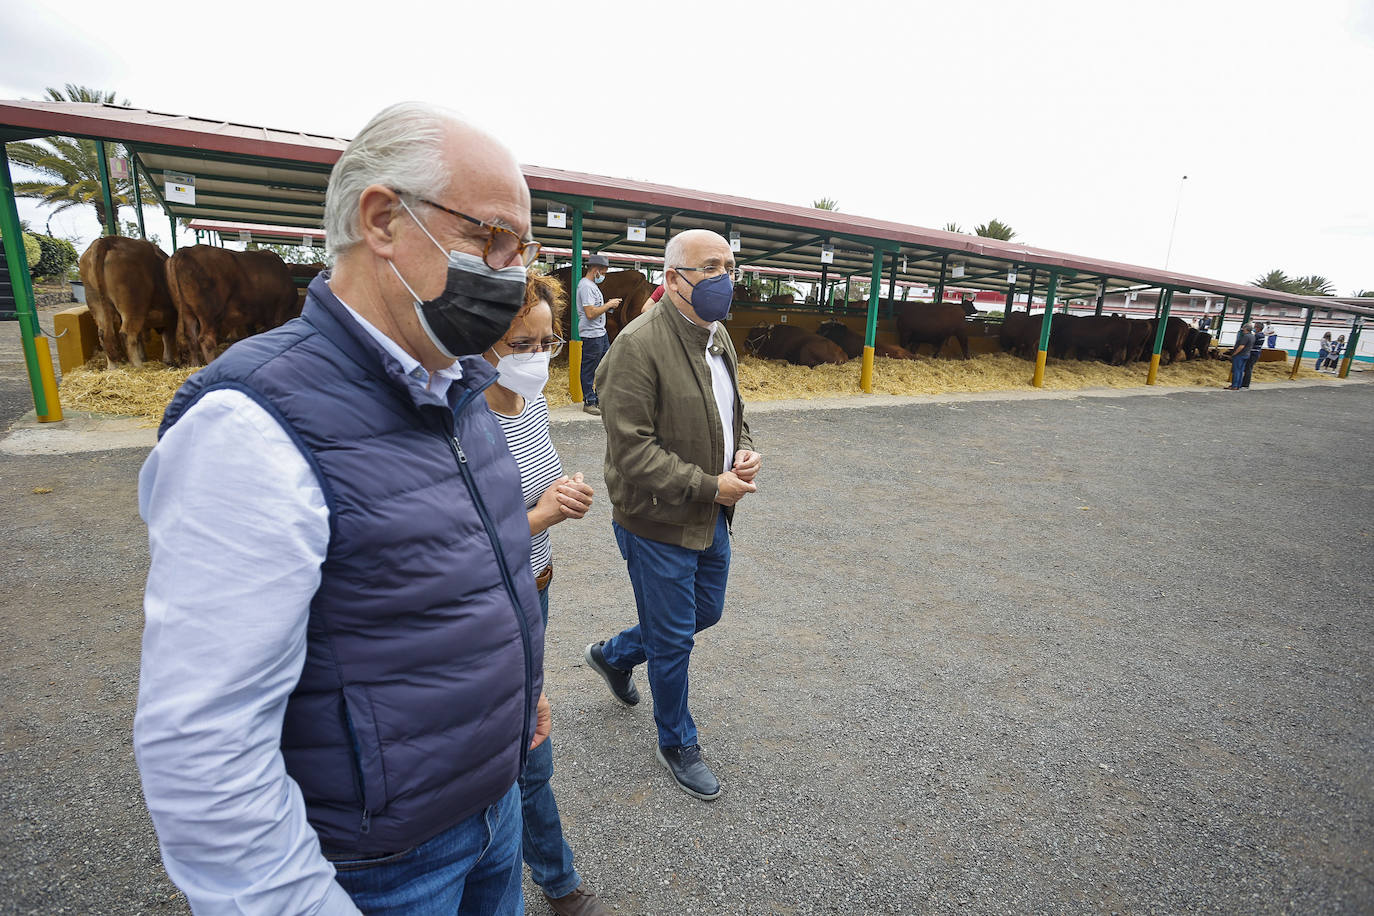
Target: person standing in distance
[(1240, 355), (1254, 355), (678, 459), (343, 656), (591, 327)]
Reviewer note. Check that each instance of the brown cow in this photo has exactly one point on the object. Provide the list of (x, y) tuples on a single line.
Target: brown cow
[(1092, 337), (1140, 344), (850, 342), (782, 299), (629, 286), (1175, 340), (892, 352), (126, 292), (304, 272), (932, 323), (796, 345), (222, 295)]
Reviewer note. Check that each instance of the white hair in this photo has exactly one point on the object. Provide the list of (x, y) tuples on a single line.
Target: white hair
[(401, 148), (673, 253)]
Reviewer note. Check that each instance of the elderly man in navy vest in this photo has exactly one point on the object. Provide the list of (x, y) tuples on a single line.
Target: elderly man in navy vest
[(342, 660)]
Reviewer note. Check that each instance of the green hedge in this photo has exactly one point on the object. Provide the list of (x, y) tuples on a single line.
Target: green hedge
[(33, 251), (57, 256)]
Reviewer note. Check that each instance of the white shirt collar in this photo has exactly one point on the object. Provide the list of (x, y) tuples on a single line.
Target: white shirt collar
[(409, 364)]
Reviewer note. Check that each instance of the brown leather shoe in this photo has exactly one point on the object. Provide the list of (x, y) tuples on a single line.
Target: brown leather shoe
[(581, 902)]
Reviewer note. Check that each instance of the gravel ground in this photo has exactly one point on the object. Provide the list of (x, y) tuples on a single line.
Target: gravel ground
[(1028, 656)]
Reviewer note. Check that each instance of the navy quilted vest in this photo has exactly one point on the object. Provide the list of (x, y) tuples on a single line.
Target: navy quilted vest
[(425, 646)]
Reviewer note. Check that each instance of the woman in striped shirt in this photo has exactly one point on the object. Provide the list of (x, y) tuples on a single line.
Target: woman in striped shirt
[(522, 359)]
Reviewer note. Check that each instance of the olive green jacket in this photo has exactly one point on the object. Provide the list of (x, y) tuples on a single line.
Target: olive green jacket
[(664, 448)]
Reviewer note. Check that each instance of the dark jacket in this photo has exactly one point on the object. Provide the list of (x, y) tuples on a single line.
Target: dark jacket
[(664, 445), (424, 652)]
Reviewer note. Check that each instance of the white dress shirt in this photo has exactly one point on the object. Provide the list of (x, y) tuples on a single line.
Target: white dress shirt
[(724, 390), (237, 530)]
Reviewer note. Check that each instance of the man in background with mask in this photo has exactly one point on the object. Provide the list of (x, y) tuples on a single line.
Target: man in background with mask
[(674, 473), (342, 663), (591, 327)]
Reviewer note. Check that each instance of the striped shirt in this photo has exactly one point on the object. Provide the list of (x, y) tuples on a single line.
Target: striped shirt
[(527, 436)]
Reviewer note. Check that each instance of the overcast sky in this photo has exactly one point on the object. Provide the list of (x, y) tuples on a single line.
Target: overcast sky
[(1072, 120)]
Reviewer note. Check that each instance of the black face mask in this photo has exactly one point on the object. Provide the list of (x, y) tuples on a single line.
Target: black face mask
[(476, 307)]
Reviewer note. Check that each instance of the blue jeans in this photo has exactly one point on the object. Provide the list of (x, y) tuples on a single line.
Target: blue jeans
[(593, 348), (472, 869), (678, 593), (1249, 368), (1238, 364), (546, 852)]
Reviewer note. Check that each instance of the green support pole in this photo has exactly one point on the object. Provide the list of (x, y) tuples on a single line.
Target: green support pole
[(875, 288), (940, 286), (1302, 343), (892, 284), (138, 207), (1221, 318), (172, 220), (847, 280), (1166, 299), (1245, 319), (111, 216), (1159, 303), (574, 335), (1038, 379), (21, 282), (1101, 296), (1030, 290), (1350, 345)]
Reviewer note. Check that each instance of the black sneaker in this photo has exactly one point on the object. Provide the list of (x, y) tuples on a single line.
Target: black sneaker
[(622, 683), (691, 775)]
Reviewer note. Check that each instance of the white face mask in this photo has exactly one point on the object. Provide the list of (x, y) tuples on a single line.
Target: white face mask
[(526, 377)]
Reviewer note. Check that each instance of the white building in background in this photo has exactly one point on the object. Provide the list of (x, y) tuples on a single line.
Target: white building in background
[(1197, 304)]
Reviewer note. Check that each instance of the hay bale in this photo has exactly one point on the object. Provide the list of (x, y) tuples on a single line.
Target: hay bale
[(145, 392), (123, 390)]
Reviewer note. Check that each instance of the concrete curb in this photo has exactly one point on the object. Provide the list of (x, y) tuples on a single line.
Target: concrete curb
[(92, 432)]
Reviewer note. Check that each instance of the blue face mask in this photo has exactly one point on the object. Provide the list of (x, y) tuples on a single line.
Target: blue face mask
[(711, 297), (599, 278)]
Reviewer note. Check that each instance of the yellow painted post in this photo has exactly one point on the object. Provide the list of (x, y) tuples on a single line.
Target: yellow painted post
[(871, 327), (575, 371), (54, 413), (575, 336), (1166, 301), (1350, 346), (1038, 379)]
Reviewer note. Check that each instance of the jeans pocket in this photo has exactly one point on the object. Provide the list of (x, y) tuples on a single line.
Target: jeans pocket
[(360, 864)]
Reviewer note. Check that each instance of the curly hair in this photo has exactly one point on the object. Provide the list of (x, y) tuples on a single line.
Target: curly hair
[(540, 288)]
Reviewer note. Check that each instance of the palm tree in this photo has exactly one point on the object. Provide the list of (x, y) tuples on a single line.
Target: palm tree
[(995, 229), (1275, 279), (952, 227), (1313, 285), (1364, 294), (826, 203), (75, 93), (68, 168)]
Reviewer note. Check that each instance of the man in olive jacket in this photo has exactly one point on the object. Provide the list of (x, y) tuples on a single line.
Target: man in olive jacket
[(678, 459)]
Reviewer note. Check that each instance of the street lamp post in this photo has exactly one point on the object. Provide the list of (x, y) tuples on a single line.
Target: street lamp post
[(1177, 203)]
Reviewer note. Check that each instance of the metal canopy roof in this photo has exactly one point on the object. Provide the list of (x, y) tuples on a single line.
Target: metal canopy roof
[(258, 232), (268, 177)]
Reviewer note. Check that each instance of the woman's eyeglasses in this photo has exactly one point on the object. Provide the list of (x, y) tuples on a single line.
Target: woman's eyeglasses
[(525, 349)]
